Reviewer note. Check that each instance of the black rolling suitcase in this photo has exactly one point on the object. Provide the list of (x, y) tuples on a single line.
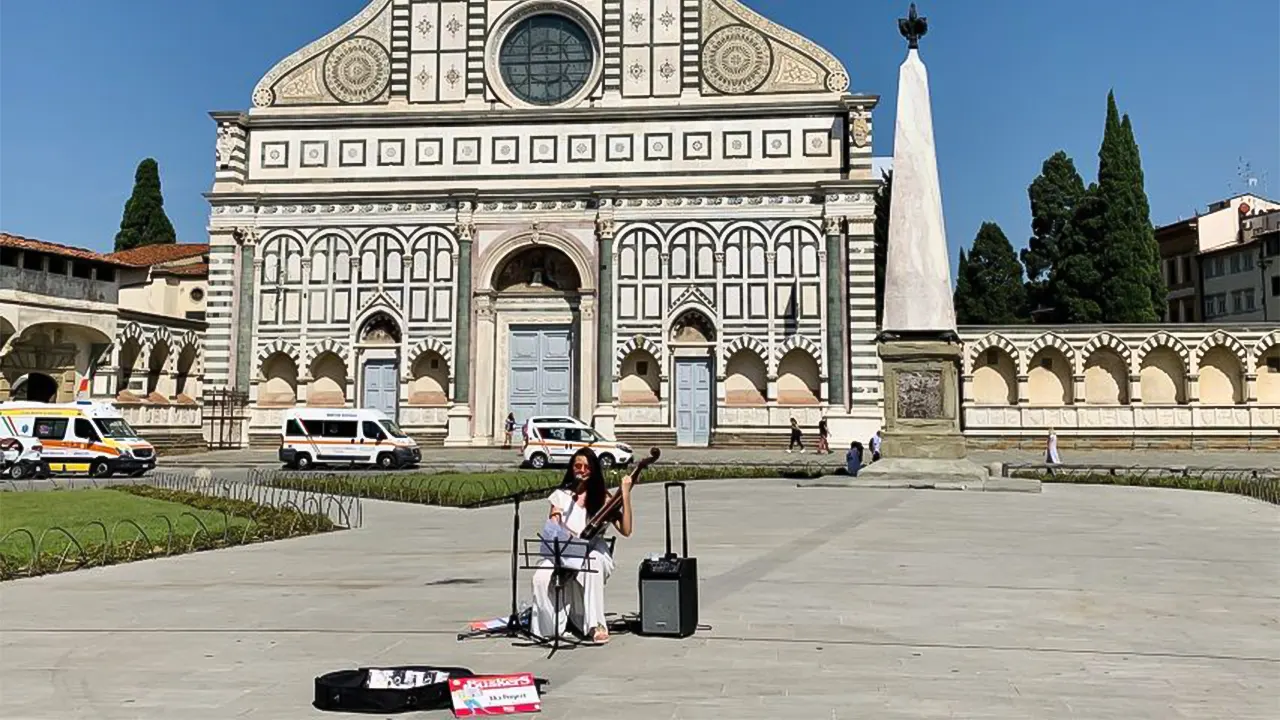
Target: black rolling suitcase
[(669, 584)]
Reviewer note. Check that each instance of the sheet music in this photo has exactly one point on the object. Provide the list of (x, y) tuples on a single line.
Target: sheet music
[(404, 679), (573, 552)]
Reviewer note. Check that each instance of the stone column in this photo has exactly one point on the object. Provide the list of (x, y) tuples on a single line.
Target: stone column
[(1077, 390), (1135, 389), (241, 372), (1024, 390), (1251, 388), (460, 411), (605, 414), (837, 328)]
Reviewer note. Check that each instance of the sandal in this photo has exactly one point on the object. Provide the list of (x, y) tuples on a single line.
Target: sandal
[(601, 635)]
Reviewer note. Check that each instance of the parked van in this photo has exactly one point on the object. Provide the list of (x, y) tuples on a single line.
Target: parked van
[(81, 437), (323, 436), (554, 443)]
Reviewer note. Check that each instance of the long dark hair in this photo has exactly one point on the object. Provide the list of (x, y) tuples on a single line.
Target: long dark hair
[(595, 482)]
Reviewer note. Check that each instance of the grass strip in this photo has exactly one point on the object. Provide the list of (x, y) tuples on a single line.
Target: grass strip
[(1260, 488), (471, 490), (55, 531)]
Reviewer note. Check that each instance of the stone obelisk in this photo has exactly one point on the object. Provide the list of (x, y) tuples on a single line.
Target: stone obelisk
[(920, 350)]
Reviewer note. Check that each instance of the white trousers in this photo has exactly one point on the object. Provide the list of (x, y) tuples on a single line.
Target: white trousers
[(581, 597)]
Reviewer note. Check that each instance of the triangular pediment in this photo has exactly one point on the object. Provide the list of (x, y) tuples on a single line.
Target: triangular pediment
[(443, 55)]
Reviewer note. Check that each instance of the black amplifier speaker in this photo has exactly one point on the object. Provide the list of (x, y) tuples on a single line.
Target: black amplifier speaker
[(669, 584)]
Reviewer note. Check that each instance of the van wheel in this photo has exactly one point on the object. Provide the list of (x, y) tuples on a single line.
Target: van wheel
[(302, 461), (606, 461), (16, 472), (538, 461), (100, 469), (387, 461)]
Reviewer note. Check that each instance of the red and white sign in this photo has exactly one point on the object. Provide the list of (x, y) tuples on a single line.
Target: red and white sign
[(494, 695)]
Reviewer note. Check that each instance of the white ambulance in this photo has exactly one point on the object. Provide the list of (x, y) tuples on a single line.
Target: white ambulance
[(324, 436), (80, 437)]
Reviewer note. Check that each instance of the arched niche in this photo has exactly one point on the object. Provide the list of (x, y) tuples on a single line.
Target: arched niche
[(1221, 378), (279, 386), (1163, 377), (328, 386), (995, 378), (639, 383), (1106, 378), (430, 383), (798, 379), (1049, 378), (746, 380)]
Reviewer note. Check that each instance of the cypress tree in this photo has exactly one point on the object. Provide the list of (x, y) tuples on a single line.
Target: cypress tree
[(1074, 285), (884, 200), (963, 293), (989, 287), (1121, 241), (144, 221), (1155, 278), (1054, 196)]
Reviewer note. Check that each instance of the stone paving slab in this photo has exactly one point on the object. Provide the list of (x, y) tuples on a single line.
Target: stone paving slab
[(1080, 602)]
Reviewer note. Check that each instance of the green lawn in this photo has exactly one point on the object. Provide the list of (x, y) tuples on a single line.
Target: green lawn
[(454, 489), (76, 511)]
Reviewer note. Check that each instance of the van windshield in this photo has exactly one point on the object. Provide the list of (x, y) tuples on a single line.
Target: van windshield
[(116, 428), (393, 429)]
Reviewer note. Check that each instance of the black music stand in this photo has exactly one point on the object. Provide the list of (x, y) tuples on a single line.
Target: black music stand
[(515, 627)]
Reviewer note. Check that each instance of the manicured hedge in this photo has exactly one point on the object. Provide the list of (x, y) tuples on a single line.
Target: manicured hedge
[(469, 490)]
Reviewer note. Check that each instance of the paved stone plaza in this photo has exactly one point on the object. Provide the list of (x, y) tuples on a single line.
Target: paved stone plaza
[(1081, 602)]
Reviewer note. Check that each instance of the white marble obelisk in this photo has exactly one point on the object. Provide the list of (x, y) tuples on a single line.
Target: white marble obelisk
[(917, 292), (923, 443)]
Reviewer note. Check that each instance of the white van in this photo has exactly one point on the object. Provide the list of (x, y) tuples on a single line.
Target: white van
[(324, 436), (554, 443), (81, 437)]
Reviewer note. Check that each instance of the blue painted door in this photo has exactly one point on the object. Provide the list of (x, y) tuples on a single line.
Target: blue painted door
[(541, 374), (693, 402), (381, 387)]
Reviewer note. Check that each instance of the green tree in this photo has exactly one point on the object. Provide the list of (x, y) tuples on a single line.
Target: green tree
[(1123, 238), (884, 200), (144, 221), (1054, 196), (989, 287), (1144, 227)]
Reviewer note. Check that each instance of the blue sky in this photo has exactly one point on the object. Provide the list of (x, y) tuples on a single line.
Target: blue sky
[(88, 88)]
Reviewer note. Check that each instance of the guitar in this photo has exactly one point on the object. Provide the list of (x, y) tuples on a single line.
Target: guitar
[(612, 507)]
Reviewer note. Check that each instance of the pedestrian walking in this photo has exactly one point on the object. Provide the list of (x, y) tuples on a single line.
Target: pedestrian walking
[(875, 447), (824, 435), (796, 439), (511, 430)]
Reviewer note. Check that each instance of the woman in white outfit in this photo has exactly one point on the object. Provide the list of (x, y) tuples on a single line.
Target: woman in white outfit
[(578, 499)]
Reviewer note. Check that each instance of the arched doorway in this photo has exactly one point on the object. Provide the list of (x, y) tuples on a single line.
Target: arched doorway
[(692, 339), (378, 344), (35, 387), (535, 332)]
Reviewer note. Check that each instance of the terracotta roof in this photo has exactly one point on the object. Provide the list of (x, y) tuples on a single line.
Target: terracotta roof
[(192, 270), (22, 243), (149, 255)]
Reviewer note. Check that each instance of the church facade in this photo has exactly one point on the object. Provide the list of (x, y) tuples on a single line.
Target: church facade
[(654, 215)]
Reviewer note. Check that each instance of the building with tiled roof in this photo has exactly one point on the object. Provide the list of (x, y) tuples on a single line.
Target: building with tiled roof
[(125, 327)]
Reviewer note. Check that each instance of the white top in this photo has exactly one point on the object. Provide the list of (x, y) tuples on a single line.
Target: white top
[(576, 517)]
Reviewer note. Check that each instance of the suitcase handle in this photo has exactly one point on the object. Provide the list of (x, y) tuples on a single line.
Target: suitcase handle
[(684, 519)]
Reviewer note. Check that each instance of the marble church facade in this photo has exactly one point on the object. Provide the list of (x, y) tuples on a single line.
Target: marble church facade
[(655, 215)]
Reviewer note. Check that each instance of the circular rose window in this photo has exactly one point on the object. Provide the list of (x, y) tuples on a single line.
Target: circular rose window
[(546, 59)]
